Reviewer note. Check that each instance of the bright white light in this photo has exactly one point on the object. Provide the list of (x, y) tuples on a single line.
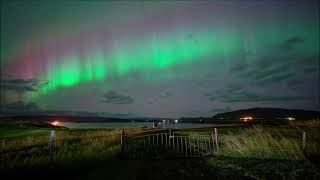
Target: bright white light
[(291, 119)]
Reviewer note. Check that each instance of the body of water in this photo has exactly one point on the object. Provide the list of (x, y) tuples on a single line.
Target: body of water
[(73, 125)]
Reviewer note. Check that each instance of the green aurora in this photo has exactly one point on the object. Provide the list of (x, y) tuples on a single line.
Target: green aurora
[(216, 43)]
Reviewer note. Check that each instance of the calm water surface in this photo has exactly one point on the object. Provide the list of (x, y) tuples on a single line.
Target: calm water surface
[(74, 125)]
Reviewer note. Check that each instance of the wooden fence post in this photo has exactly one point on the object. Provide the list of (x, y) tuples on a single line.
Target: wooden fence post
[(304, 140), (122, 140), (169, 139), (212, 138), (52, 145), (216, 137)]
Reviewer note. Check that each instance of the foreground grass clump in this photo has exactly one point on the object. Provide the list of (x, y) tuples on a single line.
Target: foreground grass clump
[(258, 143)]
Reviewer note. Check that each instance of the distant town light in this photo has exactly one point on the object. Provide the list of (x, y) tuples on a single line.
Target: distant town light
[(176, 121), (246, 118)]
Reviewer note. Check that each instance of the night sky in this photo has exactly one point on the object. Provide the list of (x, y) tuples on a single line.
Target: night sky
[(161, 58)]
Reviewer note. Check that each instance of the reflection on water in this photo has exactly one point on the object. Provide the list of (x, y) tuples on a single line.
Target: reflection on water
[(74, 125)]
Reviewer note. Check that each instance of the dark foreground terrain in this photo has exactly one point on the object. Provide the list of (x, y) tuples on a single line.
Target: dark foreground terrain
[(208, 168), (264, 152)]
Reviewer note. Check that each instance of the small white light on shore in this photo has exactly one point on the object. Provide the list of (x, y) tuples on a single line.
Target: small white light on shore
[(291, 118)]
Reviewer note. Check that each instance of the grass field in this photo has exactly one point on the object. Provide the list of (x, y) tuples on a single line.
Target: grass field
[(258, 153), (18, 129)]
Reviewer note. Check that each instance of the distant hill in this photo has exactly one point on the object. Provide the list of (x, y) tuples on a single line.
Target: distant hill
[(258, 114), (267, 114), (75, 116), (51, 118)]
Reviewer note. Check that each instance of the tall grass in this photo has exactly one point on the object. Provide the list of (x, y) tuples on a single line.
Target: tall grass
[(261, 144), (92, 144)]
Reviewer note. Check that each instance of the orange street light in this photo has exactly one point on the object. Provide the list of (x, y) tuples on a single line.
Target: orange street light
[(246, 118), (55, 123)]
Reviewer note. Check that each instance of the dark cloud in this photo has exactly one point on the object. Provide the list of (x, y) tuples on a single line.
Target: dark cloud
[(215, 96), (221, 110), (21, 85), (276, 77), (262, 71), (265, 62), (239, 67), (192, 113), (285, 68), (151, 101), (235, 87), (167, 94), (255, 70), (291, 42), (294, 83), (19, 106), (239, 95), (113, 97), (306, 62), (277, 65), (310, 69), (212, 98)]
